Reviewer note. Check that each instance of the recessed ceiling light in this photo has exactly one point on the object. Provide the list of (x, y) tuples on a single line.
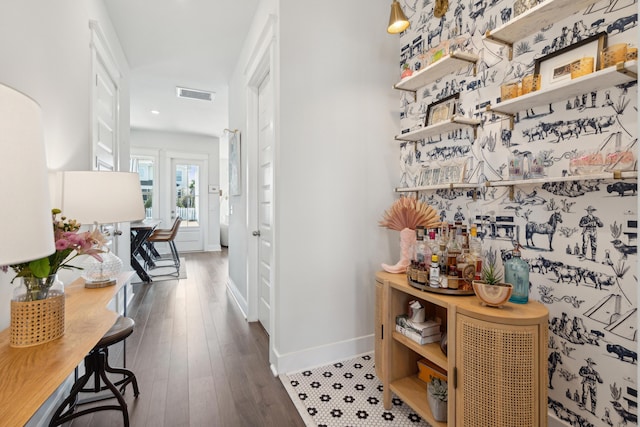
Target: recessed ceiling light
[(156, 112)]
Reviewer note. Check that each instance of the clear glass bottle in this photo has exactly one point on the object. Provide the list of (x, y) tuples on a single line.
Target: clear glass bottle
[(475, 250), (516, 272), (453, 250), (418, 253), (434, 272), (442, 259)]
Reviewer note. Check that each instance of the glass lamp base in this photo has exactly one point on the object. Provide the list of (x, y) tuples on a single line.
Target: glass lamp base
[(101, 274)]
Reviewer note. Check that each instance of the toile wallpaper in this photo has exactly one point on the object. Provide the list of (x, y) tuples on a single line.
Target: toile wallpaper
[(579, 237)]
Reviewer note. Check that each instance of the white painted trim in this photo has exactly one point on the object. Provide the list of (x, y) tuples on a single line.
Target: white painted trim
[(214, 248), (101, 52), (262, 62), (310, 358), (267, 36), (555, 422), (101, 45), (237, 297)]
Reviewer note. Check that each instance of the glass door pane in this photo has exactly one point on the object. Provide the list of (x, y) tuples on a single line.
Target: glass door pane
[(187, 193), (145, 168)]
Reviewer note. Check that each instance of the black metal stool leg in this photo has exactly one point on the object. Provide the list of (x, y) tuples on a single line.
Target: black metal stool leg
[(97, 366)]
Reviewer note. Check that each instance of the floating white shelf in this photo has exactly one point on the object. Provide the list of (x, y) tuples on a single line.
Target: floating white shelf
[(456, 122), (622, 73), (536, 18), (447, 65), (606, 175)]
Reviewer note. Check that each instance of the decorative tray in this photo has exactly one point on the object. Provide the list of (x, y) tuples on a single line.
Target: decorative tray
[(445, 291)]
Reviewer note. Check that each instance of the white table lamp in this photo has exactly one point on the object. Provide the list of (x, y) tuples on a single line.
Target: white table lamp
[(101, 197), (26, 229)]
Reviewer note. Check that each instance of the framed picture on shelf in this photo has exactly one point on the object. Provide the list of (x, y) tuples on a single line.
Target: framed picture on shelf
[(442, 110), (425, 179), (435, 176), (556, 67)]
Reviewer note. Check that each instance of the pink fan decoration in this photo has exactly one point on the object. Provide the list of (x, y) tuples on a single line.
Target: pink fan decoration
[(407, 212)]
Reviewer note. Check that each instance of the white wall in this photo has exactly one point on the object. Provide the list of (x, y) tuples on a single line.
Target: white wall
[(333, 178), (171, 142), (45, 53)]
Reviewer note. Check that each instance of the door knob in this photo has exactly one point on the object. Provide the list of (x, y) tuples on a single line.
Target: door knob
[(256, 233)]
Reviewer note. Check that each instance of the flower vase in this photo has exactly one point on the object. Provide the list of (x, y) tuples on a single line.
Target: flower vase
[(407, 243), (35, 288), (37, 311)]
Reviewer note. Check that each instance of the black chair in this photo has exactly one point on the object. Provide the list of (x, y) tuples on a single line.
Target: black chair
[(96, 365)]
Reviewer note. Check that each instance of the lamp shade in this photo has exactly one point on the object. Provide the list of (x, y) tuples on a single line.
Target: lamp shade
[(101, 197), (26, 231), (398, 21)]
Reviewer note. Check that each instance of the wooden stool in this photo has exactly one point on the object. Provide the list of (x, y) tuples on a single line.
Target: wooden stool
[(97, 365)]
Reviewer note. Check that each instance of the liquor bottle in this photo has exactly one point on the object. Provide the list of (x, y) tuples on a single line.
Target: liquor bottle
[(419, 248), (434, 272), (475, 250), (466, 270), (516, 272), (442, 259), (453, 250)]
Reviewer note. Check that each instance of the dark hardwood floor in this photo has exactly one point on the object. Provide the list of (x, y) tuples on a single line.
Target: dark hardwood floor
[(197, 360)]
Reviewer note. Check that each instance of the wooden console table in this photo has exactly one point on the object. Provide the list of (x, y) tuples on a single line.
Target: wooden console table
[(28, 376)]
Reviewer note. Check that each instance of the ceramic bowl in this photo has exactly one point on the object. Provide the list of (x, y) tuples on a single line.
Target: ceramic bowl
[(493, 295)]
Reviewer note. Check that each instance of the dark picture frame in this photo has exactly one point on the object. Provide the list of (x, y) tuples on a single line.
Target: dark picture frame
[(442, 110), (556, 66)]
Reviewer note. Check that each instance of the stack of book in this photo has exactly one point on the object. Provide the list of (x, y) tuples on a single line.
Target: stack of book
[(421, 332)]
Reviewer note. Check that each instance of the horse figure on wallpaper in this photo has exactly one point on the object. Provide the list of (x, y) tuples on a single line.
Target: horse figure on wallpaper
[(548, 228)]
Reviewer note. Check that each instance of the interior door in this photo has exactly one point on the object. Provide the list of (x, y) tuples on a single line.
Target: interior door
[(265, 200), (105, 121), (186, 201)]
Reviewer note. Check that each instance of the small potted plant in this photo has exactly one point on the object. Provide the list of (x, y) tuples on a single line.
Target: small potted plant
[(491, 290), (437, 395)]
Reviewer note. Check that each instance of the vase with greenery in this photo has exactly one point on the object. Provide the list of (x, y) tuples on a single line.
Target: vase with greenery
[(39, 275)]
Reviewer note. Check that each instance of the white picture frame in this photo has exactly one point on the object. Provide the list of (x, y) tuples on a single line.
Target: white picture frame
[(235, 170)]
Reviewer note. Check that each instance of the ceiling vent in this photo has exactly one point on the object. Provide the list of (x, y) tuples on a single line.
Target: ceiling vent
[(183, 92)]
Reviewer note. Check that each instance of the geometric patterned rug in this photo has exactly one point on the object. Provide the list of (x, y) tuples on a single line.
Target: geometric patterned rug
[(346, 394)]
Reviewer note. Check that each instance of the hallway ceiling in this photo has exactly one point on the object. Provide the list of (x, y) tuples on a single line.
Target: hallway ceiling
[(188, 43)]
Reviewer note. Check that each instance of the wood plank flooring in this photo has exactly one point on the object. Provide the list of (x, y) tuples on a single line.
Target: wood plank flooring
[(197, 360)]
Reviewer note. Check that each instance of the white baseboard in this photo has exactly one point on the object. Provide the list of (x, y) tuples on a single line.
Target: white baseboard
[(320, 356), (556, 422), (214, 248), (241, 302)]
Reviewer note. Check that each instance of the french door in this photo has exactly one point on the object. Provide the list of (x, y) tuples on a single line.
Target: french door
[(187, 187)]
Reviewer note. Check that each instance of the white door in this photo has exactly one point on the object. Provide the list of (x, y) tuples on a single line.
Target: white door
[(105, 121), (187, 181), (265, 198)]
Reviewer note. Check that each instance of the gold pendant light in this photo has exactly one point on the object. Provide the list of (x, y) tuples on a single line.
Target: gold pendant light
[(398, 21)]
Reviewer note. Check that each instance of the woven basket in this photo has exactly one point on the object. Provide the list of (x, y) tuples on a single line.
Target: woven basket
[(582, 67), (632, 53), (509, 91), (613, 54), (37, 322), (530, 83)]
